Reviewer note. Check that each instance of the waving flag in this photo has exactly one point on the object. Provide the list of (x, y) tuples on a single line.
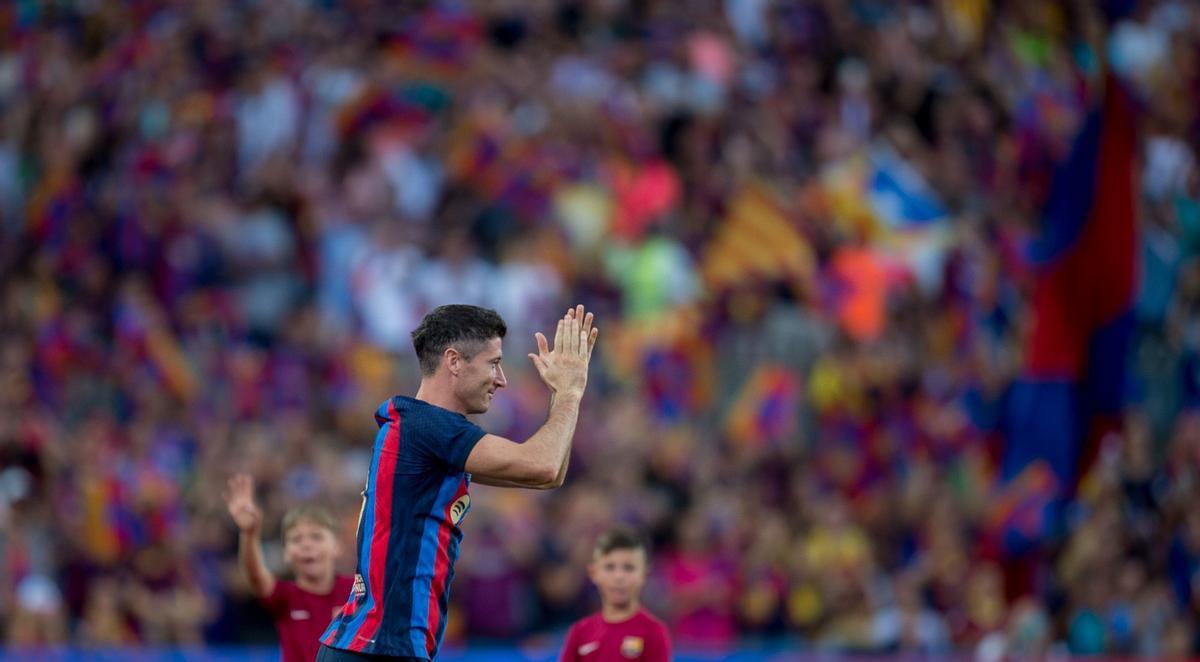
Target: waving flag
[(756, 242), (1071, 388), (437, 43), (669, 357), (1021, 511), (765, 411)]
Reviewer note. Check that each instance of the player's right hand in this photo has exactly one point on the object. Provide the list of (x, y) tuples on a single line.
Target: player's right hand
[(239, 498), (565, 368)]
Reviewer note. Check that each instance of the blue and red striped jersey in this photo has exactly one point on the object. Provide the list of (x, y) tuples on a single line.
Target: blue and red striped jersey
[(408, 534)]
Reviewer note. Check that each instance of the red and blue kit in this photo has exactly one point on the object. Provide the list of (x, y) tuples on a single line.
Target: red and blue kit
[(408, 533)]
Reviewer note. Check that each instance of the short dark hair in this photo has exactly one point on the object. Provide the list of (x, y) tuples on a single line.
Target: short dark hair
[(619, 537), (455, 325), (311, 513)]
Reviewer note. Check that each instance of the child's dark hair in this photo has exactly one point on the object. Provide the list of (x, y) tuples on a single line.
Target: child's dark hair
[(308, 513), (619, 537), (466, 328)]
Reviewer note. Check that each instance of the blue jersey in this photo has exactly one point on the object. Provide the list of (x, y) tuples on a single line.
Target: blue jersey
[(408, 533)]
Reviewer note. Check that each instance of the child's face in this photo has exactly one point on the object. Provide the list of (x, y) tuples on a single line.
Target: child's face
[(619, 575), (310, 550)]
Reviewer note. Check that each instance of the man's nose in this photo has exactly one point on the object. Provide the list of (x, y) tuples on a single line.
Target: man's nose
[(501, 380)]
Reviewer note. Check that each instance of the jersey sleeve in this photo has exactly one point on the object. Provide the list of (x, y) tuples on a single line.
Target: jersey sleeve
[(449, 438)]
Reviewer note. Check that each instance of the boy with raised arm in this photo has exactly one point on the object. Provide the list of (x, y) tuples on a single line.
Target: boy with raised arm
[(302, 608)]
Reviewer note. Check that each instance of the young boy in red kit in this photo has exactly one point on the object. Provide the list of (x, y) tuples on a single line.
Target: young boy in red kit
[(301, 609), (622, 630)]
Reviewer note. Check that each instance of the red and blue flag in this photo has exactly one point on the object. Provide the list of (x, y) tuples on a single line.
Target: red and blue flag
[(1073, 380)]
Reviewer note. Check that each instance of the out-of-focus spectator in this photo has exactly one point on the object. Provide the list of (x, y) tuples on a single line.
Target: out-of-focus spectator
[(38, 617), (906, 624), (103, 623), (701, 587)]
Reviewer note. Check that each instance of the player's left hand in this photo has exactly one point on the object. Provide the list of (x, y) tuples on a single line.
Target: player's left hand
[(564, 368)]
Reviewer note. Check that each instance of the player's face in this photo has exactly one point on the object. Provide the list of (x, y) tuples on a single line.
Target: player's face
[(480, 377), (619, 575), (310, 549)]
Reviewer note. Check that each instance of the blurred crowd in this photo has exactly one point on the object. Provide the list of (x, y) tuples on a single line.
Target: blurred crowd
[(220, 220)]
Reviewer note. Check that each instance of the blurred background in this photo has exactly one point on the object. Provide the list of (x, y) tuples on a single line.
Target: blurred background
[(900, 350)]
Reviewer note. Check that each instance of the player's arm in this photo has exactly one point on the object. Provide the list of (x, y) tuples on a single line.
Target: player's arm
[(559, 478), (239, 498), (497, 482), (562, 471), (541, 461), (538, 462)]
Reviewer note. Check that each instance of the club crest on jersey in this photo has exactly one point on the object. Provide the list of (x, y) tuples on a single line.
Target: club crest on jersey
[(459, 508), (631, 647)]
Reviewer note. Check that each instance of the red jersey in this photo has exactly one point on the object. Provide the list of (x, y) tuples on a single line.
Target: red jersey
[(640, 637), (301, 617)]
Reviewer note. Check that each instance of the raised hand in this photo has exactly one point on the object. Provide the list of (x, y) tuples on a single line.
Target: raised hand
[(564, 368), (239, 498)]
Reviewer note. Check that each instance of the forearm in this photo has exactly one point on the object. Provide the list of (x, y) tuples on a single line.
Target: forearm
[(551, 444), (558, 480), (250, 557), (562, 469)]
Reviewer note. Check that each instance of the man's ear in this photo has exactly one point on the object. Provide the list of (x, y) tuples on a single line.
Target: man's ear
[(453, 360)]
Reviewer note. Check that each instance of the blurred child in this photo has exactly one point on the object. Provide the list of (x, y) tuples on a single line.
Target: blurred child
[(622, 630), (301, 609), (104, 623)]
